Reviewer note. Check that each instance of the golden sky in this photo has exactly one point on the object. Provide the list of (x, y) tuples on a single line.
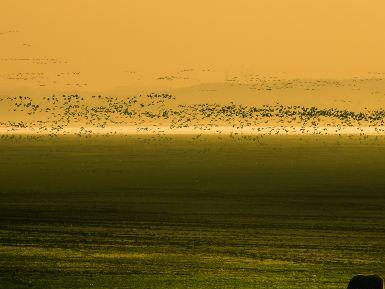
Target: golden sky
[(121, 42)]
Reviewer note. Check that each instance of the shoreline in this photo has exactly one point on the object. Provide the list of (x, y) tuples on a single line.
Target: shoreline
[(220, 130)]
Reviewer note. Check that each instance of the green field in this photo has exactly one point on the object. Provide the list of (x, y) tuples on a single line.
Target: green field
[(148, 212)]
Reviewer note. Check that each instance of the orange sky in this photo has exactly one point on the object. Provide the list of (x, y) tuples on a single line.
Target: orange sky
[(105, 39)]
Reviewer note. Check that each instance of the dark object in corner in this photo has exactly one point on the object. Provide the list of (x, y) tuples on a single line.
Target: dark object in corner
[(366, 282)]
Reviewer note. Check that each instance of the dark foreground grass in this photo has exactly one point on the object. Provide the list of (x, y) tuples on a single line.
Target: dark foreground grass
[(129, 212)]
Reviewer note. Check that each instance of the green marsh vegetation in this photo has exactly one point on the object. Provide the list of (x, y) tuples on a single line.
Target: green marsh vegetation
[(173, 212)]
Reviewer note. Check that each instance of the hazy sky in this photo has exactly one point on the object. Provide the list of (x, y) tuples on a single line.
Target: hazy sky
[(105, 39)]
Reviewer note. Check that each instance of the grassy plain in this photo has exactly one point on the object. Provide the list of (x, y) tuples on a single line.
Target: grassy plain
[(147, 212)]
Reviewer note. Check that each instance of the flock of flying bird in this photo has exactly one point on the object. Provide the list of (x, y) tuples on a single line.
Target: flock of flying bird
[(160, 114), (36, 60), (67, 78)]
